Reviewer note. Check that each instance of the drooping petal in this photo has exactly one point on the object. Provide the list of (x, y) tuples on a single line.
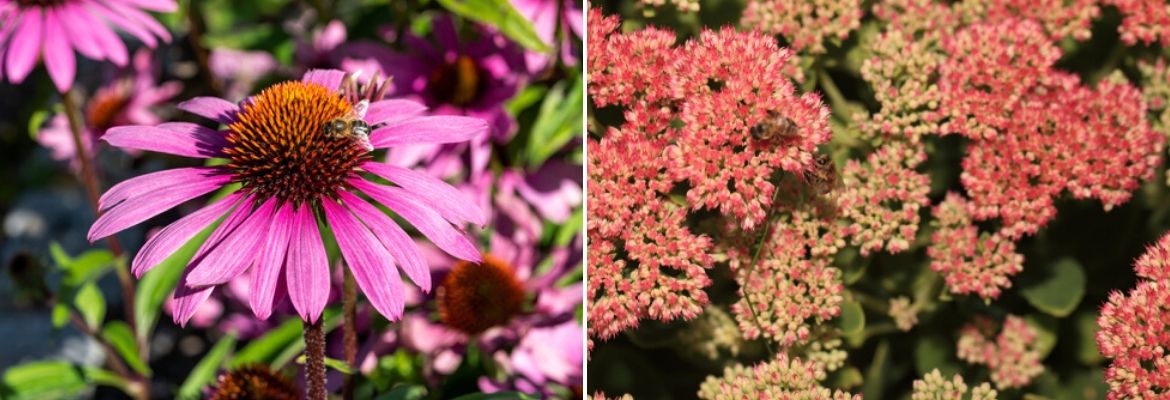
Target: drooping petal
[(137, 209), (372, 266), (400, 245), (142, 19), (451, 203), (392, 111), (306, 266), (235, 253), (106, 39), (25, 44), (178, 233), (329, 78), (155, 182), (58, 53), (433, 129), (117, 19), (187, 300), (430, 223), (269, 263), (213, 108), (178, 138)]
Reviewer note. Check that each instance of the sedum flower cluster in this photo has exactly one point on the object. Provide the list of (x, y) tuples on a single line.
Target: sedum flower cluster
[(1134, 330)]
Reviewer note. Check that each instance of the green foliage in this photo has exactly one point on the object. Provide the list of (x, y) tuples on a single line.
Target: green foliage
[(48, 380), (158, 283), (118, 334), (205, 371), (501, 15), (559, 122), (852, 319), (1061, 291)]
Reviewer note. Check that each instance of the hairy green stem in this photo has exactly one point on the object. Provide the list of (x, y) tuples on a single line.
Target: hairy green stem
[(315, 364)]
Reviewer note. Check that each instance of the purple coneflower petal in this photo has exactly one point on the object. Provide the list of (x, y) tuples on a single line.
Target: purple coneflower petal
[(434, 129), (156, 5), (105, 37), (373, 267), (451, 203), (445, 34), (329, 78), (136, 209), (178, 233), (235, 253), (392, 111), (58, 53), (187, 300), (307, 266), (178, 138), (130, 26), (25, 44), (269, 263), (144, 20), (397, 242), (78, 32), (428, 221), (212, 108), (152, 183)]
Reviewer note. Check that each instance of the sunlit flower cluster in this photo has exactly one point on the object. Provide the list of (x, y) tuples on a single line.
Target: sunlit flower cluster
[(1133, 330), (1059, 18), (934, 386), (1145, 21), (781, 378), (1012, 355), (970, 261), (805, 25), (879, 199)]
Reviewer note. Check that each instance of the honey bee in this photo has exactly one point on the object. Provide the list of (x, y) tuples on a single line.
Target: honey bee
[(822, 177), (775, 126), (349, 126)]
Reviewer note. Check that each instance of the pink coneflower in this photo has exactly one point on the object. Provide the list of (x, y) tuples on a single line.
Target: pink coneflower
[(290, 171), (52, 29), (127, 100)]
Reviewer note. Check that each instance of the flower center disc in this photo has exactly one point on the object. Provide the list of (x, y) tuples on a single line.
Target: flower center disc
[(254, 382), (279, 146), (475, 297), (105, 107), (457, 83)]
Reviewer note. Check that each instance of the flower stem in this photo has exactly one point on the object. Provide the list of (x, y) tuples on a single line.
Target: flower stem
[(89, 178), (195, 28), (755, 260), (315, 366), (349, 330)]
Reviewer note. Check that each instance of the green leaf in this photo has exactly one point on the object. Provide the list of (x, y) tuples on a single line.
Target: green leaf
[(501, 15), (571, 228), (330, 362), (157, 284), (558, 122), (204, 371), (120, 336), (1086, 334), (1061, 291), (60, 315), (404, 392), (91, 304), (265, 348), (86, 267), (35, 121), (47, 380), (497, 396), (936, 351), (1046, 330), (526, 98), (852, 319)]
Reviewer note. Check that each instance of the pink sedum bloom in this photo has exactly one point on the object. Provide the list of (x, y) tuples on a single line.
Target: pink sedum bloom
[(290, 170), (805, 24), (970, 262), (933, 386), (781, 378), (52, 30), (1012, 355), (1133, 330), (880, 198), (1145, 21)]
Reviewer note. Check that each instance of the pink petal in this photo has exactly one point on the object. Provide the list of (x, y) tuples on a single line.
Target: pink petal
[(165, 6), (154, 182), (400, 245), (105, 38), (25, 44), (178, 233), (451, 203), (434, 129), (117, 19), (212, 108), (179, 138), (138, 208), (187, 300), (373, 267), (307, 266), (392, 111), (143, 19), (269, 263), (430, 223), (329, 78), (235, 253), (83, 40), (58, 53)]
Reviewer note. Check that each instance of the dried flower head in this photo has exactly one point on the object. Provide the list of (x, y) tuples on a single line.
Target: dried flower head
[(254, 382), (781, 378), (1012, 356), (804, 24), (1133, 330), (970, 261), (934, 387)]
